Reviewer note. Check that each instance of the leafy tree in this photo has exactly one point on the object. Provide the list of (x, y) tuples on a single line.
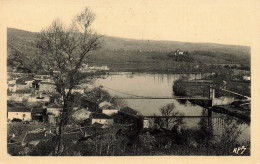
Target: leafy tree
[(63, 51)]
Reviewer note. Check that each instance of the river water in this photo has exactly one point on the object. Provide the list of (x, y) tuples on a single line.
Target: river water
[(160, 85)]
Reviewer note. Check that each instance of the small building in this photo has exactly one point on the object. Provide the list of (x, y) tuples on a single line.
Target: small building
[(24, 83), (72, 136), (43, 75), (21, 85), (76, 89), (11, 87), (129, 111), (89, 105), (52, 119), (19, 112), (81, 114), (53, 113), (110, 110), (101, 118), (32, 139), (39, 114), (29, 81), (178, 52), (54, 109), (47, 86), (36, 84), (146, 123), (247, 78), (11, 81)]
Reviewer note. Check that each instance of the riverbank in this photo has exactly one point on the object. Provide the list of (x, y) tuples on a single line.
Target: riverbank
[(224, 100), (160, 71), (230, 110)]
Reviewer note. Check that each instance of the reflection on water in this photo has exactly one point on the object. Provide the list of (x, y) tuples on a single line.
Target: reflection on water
[(160, 85)]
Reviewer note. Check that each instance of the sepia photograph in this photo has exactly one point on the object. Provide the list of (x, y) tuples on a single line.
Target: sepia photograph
[(124, 78)]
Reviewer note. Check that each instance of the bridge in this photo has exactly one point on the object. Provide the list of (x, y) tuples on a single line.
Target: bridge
[(236, 93), (176, 116), (175, 97), (132, 96)]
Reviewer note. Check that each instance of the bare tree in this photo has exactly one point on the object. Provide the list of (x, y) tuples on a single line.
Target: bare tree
[(170, 110), (63, 51)]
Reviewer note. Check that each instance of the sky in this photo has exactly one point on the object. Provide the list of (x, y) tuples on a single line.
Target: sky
[(222, 21)]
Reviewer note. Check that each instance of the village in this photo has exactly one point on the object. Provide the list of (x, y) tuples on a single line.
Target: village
[(34, 111)]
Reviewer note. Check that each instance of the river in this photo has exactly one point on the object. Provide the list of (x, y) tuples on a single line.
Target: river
[(160, 85)]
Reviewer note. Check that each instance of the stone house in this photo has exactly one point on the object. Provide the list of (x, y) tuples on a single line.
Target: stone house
[(19, 112), (101, 118), (47, 86), (12, 87)]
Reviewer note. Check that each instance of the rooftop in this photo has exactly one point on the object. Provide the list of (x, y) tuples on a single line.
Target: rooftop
[(128, 110), (54, 106), (72, 136), (28, 78), (45, 82), (18, 108), (104, 103), (38, 110), (36, 81), (78, 87), (20, 82), (100, 116), (36, 136), (109, 108), (200, 81), (43, 73)]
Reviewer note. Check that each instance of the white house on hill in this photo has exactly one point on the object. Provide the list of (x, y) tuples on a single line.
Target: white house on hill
[(178, 52)]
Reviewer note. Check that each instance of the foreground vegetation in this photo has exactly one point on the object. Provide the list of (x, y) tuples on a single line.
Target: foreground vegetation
[(118, 140)]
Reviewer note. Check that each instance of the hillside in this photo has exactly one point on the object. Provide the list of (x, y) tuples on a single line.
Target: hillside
[(113, 43), (122, 54)]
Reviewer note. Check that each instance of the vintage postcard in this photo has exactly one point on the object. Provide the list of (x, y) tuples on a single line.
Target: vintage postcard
[(131, 81)]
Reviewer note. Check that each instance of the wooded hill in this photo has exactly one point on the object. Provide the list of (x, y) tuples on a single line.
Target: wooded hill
[(133, 55)]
